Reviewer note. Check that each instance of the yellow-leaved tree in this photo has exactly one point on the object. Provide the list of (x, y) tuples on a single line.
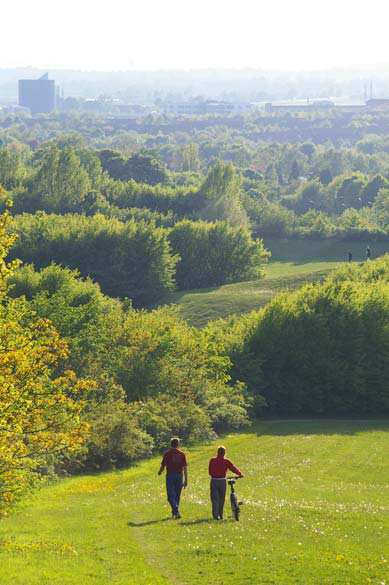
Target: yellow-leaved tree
[(40, 404)]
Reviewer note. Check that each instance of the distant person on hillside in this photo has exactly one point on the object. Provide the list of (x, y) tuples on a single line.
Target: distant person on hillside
[(218, 467), (350, 256), (368, 253), (174, 460)]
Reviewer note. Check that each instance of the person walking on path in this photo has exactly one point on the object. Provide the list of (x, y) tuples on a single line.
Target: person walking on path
[(174, 460), (368, 253), (350, 256), (218, 467)]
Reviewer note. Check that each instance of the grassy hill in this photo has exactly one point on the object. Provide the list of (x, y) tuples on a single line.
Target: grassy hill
[(315, 513), (293, 263)]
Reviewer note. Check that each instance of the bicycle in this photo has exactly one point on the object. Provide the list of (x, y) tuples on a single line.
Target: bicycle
[(235, 505)]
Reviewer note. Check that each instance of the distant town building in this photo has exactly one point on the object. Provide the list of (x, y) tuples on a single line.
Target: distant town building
[(37, 94), (305, 106), (378, 103), (201, 106)]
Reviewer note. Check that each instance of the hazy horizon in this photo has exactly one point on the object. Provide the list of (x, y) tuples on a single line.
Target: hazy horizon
[(281, 36), (353, 68)]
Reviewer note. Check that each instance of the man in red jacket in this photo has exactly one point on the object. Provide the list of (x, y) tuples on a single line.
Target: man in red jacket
[(176, 475), (217, 468)]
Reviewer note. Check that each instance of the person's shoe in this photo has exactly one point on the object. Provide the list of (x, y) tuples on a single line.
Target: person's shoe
[(178, 516)]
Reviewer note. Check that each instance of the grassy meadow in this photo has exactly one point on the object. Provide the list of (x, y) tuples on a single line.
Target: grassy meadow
[(315, 512), (293, 263)]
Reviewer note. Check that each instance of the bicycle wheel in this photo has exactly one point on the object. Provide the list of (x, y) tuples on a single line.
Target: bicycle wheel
[(235, 507)]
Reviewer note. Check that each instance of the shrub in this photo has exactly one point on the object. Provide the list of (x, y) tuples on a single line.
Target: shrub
[(315, 224), (310, 196), (88, 320), (212, 254), (268, 218), (115, 438), (163, 417), (324, 349), (161, 198), (142, 167), (127, 259), (177, 376)]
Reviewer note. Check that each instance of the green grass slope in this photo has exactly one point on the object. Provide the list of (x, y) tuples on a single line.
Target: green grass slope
[(203, 305), (315, 513), (293, 263)]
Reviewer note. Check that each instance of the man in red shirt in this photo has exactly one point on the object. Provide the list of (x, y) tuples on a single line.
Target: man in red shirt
[(176, 475), (217, 468)]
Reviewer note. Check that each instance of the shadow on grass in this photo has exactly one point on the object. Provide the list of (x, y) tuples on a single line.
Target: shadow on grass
[(184, 523), (198, 521), (147, 522)]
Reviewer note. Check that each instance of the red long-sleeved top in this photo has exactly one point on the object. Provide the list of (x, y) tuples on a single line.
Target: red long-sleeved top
[(218, 467), (174, 460)]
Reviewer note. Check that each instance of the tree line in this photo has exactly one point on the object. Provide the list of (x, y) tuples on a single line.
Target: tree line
[(297, 190)]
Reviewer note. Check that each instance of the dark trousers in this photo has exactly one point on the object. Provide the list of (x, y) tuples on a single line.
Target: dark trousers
[(218, 496), (173, 489)]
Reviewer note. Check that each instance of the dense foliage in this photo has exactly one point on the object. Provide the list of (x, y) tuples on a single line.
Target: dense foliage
[(131, 259), (211, 254), (143, 168), (135, 259), (41, 403), (324, 349), (277, 188), (138, 212), (155, 375)]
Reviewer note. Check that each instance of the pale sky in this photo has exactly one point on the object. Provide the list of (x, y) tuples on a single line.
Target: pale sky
[(189, 34)]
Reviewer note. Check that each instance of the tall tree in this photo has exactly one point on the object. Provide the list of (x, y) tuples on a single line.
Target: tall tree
[(61, 183), (190, 158), (220, 195), (12, 169)]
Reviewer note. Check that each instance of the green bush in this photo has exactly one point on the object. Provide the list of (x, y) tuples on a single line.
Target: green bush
[(324, 349), (315, 224), (380, 209), (160, 198), (142, 167), (130, 259), (310, 196), (164, 417), (268, 218), (115, 437), (88, 320), (212, 254)]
